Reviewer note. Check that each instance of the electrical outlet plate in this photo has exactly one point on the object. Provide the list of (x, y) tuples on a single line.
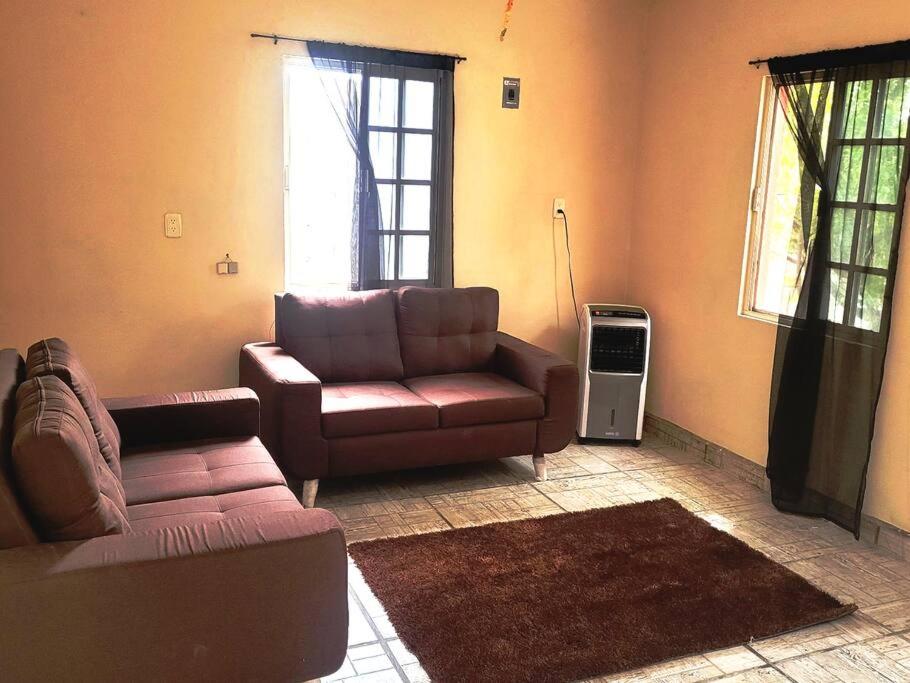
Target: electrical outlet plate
[(173, 225), (559, 204)]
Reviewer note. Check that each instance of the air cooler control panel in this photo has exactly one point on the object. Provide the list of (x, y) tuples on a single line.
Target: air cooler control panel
[(631, 315)]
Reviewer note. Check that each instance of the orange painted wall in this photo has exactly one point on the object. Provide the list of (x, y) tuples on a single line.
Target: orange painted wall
[(711, 368), (112, 113)]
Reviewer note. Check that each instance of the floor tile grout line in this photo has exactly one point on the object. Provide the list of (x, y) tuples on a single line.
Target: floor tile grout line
[(862, 641), (380, 638)]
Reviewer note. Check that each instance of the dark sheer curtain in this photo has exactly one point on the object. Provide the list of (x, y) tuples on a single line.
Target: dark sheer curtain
[(848, 111), (376, 237)]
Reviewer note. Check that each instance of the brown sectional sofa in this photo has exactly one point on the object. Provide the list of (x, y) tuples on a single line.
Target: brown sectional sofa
[(380, 380), (154, 538)]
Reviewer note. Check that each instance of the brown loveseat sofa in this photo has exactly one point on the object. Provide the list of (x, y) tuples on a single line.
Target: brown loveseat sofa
[(154, 538), (381, 380)]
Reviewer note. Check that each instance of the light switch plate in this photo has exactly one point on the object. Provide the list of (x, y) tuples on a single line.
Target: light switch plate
[(511, 92), (173, 225)]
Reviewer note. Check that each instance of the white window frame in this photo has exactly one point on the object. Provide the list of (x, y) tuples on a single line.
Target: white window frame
[(761, 167)]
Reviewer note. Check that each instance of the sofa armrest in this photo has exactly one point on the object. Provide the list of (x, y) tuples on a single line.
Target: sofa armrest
[(247, 598), (159, 418), (551, 376), (291, 398)]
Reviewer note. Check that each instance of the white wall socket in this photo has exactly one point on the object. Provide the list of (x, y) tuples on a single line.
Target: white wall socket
[(173, 225), (559, 204)]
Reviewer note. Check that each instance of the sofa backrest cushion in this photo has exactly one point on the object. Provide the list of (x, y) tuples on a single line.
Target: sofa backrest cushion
[(348, 337), (447, 330), (55, 357), (65, 482), (15, 529)]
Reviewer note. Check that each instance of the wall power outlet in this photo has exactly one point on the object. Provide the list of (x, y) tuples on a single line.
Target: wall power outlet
[(559, 204), (173, 225)]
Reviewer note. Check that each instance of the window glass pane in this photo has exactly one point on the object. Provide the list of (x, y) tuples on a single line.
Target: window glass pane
[(383, 101), (386, 206), (418, 104), (322, 171), (415, 257), (779, 263), (415, 207), (870, 299), (875, 234), (883, 181), (837, 297), (856, 109), (387, 257), (418, 156), (891, 121), (842, 222), (849, 174), (383, 153)]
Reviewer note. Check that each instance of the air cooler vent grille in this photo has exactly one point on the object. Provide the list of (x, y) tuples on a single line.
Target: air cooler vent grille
[(618, 349)]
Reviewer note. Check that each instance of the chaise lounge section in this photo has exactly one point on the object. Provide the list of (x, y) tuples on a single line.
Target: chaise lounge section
[(153, 538), (382, 380)]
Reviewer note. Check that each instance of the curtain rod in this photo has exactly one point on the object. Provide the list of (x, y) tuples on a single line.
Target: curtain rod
[(850, 56), (275, 37)]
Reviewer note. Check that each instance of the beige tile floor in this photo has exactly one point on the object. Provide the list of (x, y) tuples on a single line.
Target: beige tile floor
[(870, 645)]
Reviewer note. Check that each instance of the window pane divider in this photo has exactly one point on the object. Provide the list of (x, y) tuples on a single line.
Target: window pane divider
[(867, 206), (403, 181), (400, 129)]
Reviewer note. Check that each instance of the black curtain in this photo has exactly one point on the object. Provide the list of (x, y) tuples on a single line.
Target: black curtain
[(372, 263), (848, 111)]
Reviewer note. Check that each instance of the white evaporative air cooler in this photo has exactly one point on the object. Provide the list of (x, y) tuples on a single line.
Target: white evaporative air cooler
[(613, 351)]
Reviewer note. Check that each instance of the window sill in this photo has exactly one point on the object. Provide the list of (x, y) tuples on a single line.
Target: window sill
[(767, 318), (841, 333)]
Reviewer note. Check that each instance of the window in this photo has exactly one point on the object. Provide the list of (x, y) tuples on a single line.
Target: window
[(402, 143), (320, 174), (872, 131), (368, 175)]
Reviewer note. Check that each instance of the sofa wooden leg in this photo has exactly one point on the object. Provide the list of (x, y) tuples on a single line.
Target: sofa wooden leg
[(309, 493), (540, 467)]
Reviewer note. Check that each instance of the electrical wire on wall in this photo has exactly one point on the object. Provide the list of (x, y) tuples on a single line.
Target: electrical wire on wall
[(565, 221)]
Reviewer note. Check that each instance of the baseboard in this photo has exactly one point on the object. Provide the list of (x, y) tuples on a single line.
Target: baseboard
[(873, 530)]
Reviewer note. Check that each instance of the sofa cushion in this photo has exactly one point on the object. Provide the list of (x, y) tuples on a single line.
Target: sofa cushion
[(350, 337), (203, 509), (447, 330), (54, 357), (68, 487), (472, 398), (197, 468), (15, 529), (374, 408)]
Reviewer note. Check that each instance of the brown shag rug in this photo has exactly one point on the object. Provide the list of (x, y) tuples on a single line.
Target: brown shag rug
[(582, 594)]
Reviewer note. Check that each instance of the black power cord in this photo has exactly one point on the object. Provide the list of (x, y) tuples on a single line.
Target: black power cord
[(565, 221)]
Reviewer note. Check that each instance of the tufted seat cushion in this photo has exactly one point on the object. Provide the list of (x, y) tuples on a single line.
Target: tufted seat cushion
[(68, 487), (197, 468), (55, 357), (343, 338), (203, 509), (447, 330), (473, 398), (374, 408), (15, 529)]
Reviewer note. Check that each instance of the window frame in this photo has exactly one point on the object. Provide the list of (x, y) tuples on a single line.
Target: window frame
[(758, 201), (755, 221), (400, 130)]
